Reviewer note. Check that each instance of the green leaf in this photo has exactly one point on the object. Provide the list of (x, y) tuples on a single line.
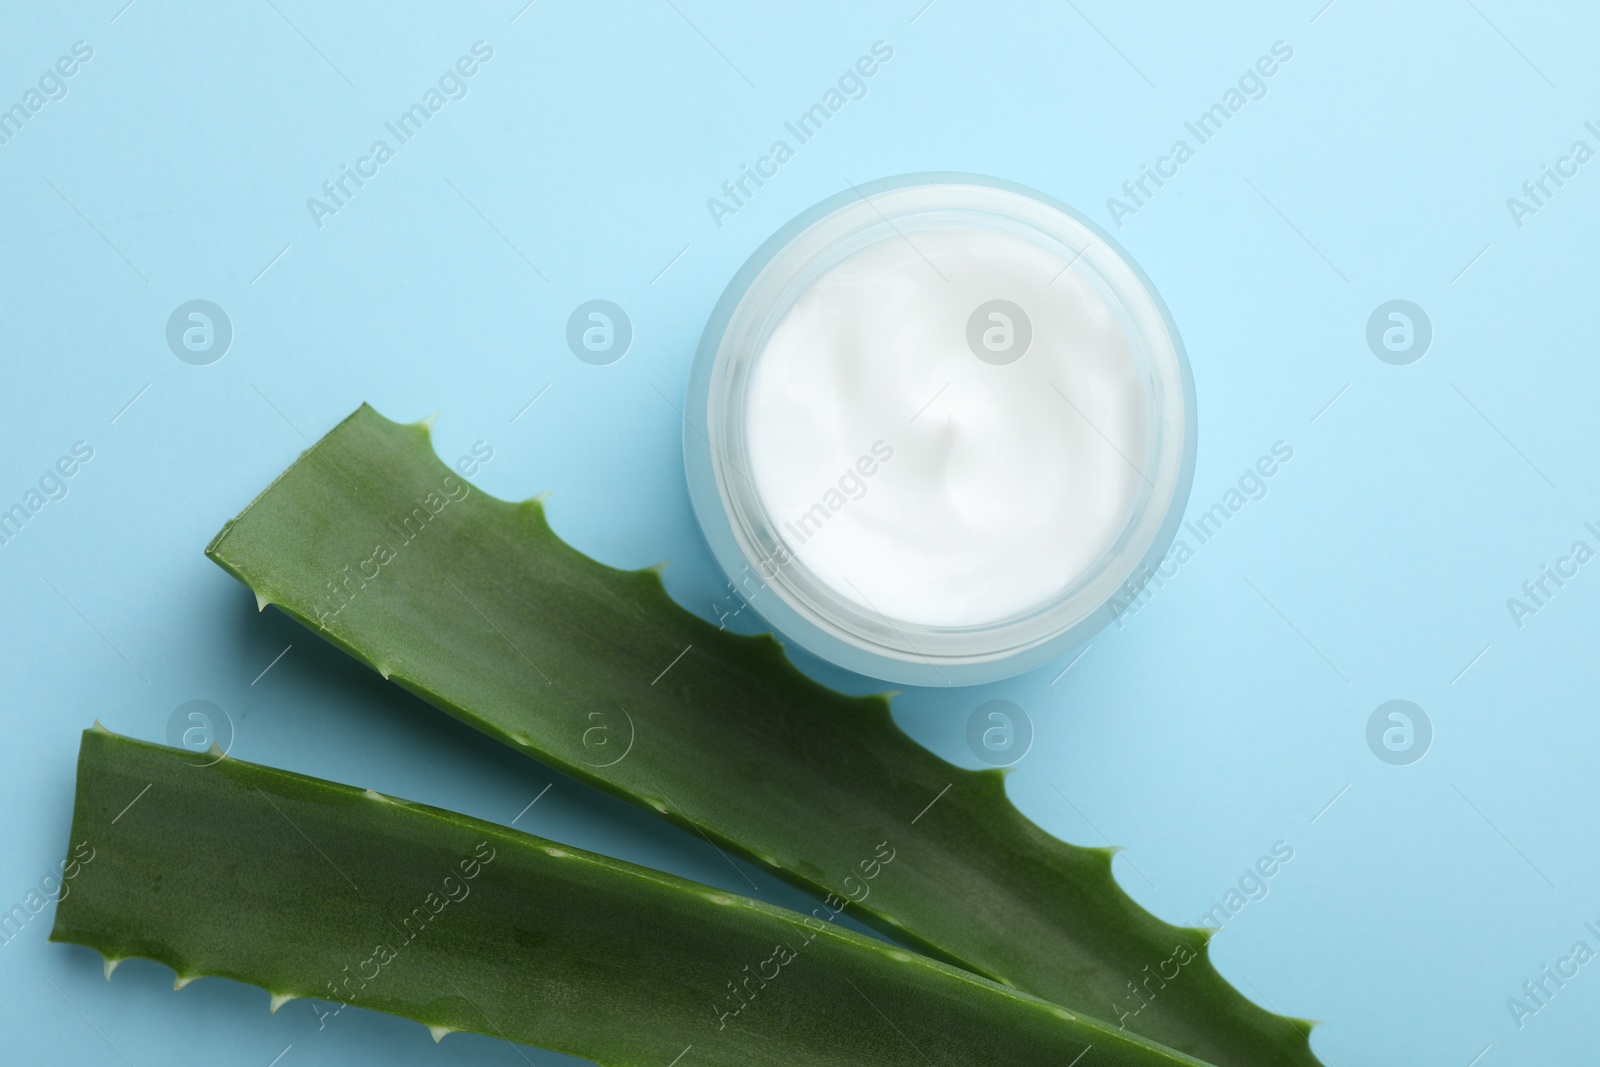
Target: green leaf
[(316, 890), (474, 604)]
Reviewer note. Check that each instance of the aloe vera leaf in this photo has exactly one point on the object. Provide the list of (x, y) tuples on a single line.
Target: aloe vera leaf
[(476, 605), (312, 889)]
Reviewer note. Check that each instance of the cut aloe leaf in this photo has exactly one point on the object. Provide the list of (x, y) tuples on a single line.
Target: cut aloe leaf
[(474, 604), (323, 891)]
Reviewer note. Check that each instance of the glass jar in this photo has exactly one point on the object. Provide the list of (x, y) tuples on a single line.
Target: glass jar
[(750, 544)]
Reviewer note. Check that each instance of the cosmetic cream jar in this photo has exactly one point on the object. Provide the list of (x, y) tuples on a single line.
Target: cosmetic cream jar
[(938, 428)]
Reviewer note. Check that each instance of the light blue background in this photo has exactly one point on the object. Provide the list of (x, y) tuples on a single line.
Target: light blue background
[(1223, 717)]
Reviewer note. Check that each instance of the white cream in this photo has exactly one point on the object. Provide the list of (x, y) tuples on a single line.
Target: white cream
[(927, 484)]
